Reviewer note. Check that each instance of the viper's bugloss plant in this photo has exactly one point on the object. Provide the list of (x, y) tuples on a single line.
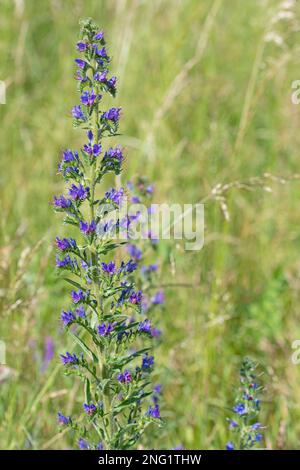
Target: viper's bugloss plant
[(244, 424), (104, 319)]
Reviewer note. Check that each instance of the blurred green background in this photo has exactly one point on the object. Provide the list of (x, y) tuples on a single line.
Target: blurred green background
[(205, 88)]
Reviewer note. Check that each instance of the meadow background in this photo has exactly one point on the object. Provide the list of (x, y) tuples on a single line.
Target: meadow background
[(205, 87)]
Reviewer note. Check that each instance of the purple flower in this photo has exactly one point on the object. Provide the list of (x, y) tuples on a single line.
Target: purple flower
[(65, 262), (128, 267), (240, 409), (79, 193), (67, 317), (69, 358), (125, 377), (134, 252), (100, 446), (82, 444), (105, 329), (88, 98), (93, 150), (113, 114), (158, 298), (258, 437), (115, 196), (109, 268), (48, 352), (154, 412), (155, 332), (77, 112), (101, 52), (233, 424), (135, 297), (147, 361), (114, 153), (99, 36), (81, 46), (64, 244), (90, 409), (149, 269), (77, 296), (157, 388), (256, 426), (62, 202), (87, 228), (63, 419), (69, 156), (101, 76), (149, 189), (80, 312), (229, 446), (112, 83), (81, 63), (144, 326)]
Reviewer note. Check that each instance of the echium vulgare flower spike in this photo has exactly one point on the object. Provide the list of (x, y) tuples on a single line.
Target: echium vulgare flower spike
[(244, 425), (111, 353)]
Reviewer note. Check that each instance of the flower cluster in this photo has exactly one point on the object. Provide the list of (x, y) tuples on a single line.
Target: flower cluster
[(106, 319), (246, 428)]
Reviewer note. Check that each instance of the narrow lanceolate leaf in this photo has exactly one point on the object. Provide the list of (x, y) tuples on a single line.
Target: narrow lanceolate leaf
[(73, 283), (84, 347)]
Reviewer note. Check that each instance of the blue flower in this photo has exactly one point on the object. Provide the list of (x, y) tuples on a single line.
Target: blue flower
[(90, 409), (78, 296), (87, 228), (109, 268), (158, 298), (101, 52), (125, 377), (81, 63), (82, 444), (113, 114), (240, 409), (64, 244), (69, 358), (135, 297), (69, 156), (144, 326), (258, 437), (79, 193), (128, 267), (229, 446), (105, 329), (233, 424), (99, 36), (65, 262), (80, 312), (112, 83), (88, 98), (67, 317), (134, 252), (62, 202), (77, 112), (154, 412), (114, 153), (81, 46), (101, 76), (63, 419), (147, 361), (115, 196)]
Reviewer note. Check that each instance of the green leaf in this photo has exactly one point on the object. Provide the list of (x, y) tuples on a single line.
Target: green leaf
[(84, 347), (73, 283), (87, 391)]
